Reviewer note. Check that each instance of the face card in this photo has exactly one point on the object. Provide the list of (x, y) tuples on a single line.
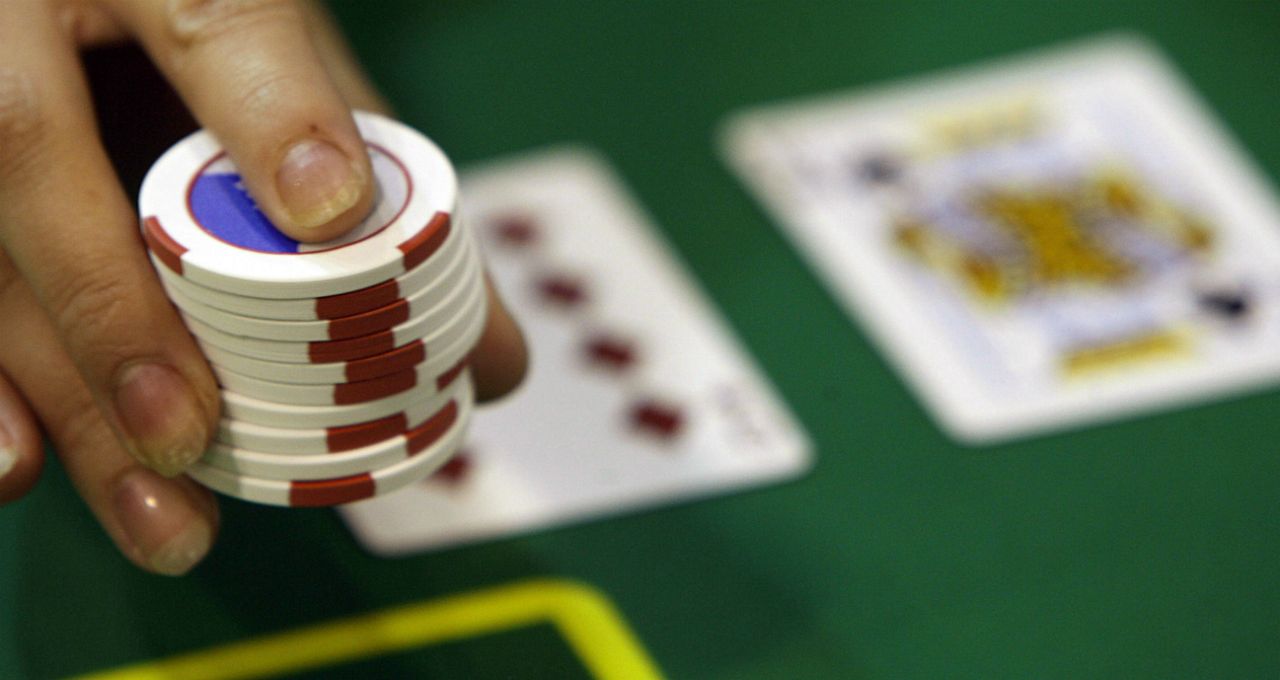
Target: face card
[(638, 394), (1040, 242)]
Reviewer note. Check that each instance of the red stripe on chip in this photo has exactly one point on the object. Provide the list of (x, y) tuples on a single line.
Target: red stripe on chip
[(325, 492), (357, 301), (407, 356), (326, 351), (446, 379), (427, 241), (162, 245), (431, 431), (379, 319), (368, 390), (354, 436)]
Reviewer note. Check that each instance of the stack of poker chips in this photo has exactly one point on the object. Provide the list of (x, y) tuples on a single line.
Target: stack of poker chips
[(342, 365)]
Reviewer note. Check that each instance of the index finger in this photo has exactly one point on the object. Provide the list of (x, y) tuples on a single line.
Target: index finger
[(72, 234), (248, 71)]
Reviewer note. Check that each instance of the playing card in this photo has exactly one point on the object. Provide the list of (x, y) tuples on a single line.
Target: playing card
[(1038, 242), (637, 393)]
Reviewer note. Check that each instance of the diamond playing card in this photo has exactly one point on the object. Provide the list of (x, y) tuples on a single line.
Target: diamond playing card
[(638, 394), (1045, 241)]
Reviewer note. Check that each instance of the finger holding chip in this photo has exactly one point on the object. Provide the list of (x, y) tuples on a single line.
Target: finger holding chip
[(209, 244), (73, 264)]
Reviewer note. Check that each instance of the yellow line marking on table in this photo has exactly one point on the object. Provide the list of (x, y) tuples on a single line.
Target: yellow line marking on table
[(588, 621)]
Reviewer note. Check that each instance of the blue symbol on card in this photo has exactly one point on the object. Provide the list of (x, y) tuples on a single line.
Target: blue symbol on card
[(221, 205)]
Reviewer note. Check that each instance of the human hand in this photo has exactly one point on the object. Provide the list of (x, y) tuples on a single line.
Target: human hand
[(90, 347)]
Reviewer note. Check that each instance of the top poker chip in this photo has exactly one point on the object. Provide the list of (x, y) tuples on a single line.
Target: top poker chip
[(199, 221)]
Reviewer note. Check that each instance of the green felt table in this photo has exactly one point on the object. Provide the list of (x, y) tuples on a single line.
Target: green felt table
[(1146, 548)]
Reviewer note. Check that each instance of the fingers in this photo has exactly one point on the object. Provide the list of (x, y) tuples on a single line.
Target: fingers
[(249, 72), (501, 358), (163, 525), (88, 24), (73, 237), (21, 457)]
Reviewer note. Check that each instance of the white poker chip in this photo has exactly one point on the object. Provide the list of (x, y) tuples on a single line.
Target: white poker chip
[(340, 394), (436, 328), (275, 414), (422, 301), (402, 358), (300, 492), (286, 441), (367, 458), (343, 365), (200, 223), (328, 466), (328, 307)]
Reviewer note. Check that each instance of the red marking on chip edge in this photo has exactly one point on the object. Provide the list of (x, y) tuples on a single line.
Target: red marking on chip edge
[(417, 249), (162, 244), (610, 352), (656, 418), (377, 366), (455, 471), (516, 230), (429, 432), (562, 290), (328, 351), (347, 437), (324, 492), (357, 301), (377, 388), (446, 379), (369, 322)]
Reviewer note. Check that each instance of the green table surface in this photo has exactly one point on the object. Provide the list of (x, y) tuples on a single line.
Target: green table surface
[(1146, 548)]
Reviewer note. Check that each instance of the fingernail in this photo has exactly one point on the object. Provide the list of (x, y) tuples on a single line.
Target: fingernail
[(161, 416), (317, 183), (161, 522), (8, 454)]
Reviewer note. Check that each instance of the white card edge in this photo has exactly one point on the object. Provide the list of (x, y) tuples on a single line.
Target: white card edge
[(737, 143)]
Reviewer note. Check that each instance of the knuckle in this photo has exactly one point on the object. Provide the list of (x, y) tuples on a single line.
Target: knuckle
[(94, 311), (192, 22), (78, 426), (89, 24), (19, 103), (22, 121), (264, 93)]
